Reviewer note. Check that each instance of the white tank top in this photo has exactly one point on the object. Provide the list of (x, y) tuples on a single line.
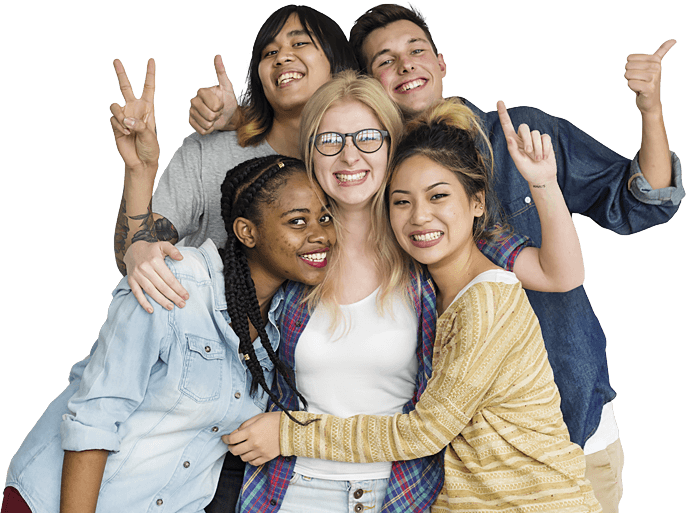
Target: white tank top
[(369, 368)]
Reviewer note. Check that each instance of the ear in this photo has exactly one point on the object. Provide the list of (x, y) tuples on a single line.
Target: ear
[(443, 66), (478, 204), (246, 231)]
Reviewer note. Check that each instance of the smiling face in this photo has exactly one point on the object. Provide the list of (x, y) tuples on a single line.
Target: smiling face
[(294, 235), (430, 213), (292, 67), (402, 59), (351, 177)]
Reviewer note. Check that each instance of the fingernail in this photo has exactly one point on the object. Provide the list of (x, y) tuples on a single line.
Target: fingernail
[(182, 304), (149, 310), (130, 122)]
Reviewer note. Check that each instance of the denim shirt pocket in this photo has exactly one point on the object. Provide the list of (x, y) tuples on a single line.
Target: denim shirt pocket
[(260, 398), (522, 216), (203, 367)]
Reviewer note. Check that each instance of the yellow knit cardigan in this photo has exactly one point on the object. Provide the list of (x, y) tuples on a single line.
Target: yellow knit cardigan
[(491, 401)]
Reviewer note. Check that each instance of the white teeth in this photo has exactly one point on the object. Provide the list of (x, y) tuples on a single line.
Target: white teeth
[(426, 236), (289, 77), (344, 177), (314, 257), (412, 85)]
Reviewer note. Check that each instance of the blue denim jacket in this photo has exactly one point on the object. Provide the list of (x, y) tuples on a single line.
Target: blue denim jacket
[(611, 190), (158, 391)]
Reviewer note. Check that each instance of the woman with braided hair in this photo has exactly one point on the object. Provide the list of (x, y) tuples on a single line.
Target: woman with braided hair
[(142, 427), (491, 408)]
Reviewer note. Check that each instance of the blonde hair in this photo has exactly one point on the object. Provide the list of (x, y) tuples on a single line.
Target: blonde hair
[(389, 260)]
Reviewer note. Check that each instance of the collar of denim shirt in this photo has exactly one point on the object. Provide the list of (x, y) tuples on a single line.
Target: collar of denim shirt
[(215, 266)]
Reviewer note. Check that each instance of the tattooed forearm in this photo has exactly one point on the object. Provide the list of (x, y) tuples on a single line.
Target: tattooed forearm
[(148, 227)]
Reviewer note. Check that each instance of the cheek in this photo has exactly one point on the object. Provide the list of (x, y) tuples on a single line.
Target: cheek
[(384, 77), (397, 219)]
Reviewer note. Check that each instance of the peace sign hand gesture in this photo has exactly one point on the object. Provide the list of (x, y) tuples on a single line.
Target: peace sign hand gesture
[(531, 152), (134, 124)]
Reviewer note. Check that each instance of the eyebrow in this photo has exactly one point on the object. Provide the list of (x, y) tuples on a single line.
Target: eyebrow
[(429, 188), (388, 50), (324, 208)]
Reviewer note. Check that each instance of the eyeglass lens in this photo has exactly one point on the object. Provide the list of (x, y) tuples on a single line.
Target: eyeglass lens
[(367, 140)]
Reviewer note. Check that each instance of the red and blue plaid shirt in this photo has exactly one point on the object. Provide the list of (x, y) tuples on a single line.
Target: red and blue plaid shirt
[(414, 484)]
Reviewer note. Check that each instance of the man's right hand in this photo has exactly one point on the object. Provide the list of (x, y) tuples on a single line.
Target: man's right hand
[(214, 108), (147, 271)]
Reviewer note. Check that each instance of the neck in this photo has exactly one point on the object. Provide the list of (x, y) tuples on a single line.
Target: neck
[(266, 285), (453, 275), (356, 224), (283, 136)]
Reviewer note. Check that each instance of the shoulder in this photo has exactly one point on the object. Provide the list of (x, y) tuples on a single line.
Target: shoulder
[(198, 265), (227, 142), (484, 304)]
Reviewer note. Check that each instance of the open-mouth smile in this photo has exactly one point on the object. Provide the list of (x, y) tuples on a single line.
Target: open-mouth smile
[(288, 77), (351, 178), (316, 258), (426, 239), (411, 85)]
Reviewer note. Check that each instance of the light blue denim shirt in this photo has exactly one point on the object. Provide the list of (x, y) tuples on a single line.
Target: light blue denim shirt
[(158, 392)]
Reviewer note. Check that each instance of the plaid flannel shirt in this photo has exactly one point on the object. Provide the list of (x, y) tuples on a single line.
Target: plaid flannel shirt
[(414, 484)]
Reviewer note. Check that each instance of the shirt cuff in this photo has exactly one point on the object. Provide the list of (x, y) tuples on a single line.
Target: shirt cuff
[(79, 437), (504, 248), (643, 191)]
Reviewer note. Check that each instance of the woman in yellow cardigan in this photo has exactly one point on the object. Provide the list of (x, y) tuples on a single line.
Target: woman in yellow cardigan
[(491, 401)]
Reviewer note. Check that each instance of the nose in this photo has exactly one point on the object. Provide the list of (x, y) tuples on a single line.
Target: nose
[(350, 153), (319, 234), (405, 65), (284, 56), (420, 214)]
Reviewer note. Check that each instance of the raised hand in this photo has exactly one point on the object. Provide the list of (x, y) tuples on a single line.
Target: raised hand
[(531, 152), (214, 107), (134, 124), (644, 73)]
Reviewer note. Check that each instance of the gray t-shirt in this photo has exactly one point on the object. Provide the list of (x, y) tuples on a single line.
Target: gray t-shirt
[(188, 193)]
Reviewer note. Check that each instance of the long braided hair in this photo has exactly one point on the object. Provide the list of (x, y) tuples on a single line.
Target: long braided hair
[(246, 188)]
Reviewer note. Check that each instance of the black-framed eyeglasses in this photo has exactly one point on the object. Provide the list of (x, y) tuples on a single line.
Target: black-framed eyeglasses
[(368, 140)]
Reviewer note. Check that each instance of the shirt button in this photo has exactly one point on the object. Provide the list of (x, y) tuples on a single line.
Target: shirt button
[(237, 395), (527, 200), (273, 502), (207, 348), (358, 507), (159, 502), (358, 494), (187, 464), (215, 429), (298, 324)]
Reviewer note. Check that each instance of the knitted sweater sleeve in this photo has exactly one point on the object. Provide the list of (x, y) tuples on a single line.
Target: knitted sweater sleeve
[(474, 336)]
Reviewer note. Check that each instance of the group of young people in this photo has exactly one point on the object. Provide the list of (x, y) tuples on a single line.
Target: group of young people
[(356, 253)]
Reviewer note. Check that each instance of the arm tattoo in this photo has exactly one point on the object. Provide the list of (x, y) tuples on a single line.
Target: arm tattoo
[(148, 229)]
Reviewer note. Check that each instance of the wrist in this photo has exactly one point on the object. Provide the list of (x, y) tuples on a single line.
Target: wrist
[(547, 183)]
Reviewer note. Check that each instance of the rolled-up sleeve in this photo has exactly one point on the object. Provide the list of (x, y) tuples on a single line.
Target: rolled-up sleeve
[(116, 378), (643, 191)]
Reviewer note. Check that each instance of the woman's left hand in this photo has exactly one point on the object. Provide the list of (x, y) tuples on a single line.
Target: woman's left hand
[(257, 440), (532, 152)]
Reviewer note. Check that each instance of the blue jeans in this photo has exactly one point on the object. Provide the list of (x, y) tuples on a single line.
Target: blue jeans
[(313, 495)]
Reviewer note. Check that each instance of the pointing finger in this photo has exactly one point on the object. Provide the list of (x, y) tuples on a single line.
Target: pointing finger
[(505, 120), (661, 52)]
